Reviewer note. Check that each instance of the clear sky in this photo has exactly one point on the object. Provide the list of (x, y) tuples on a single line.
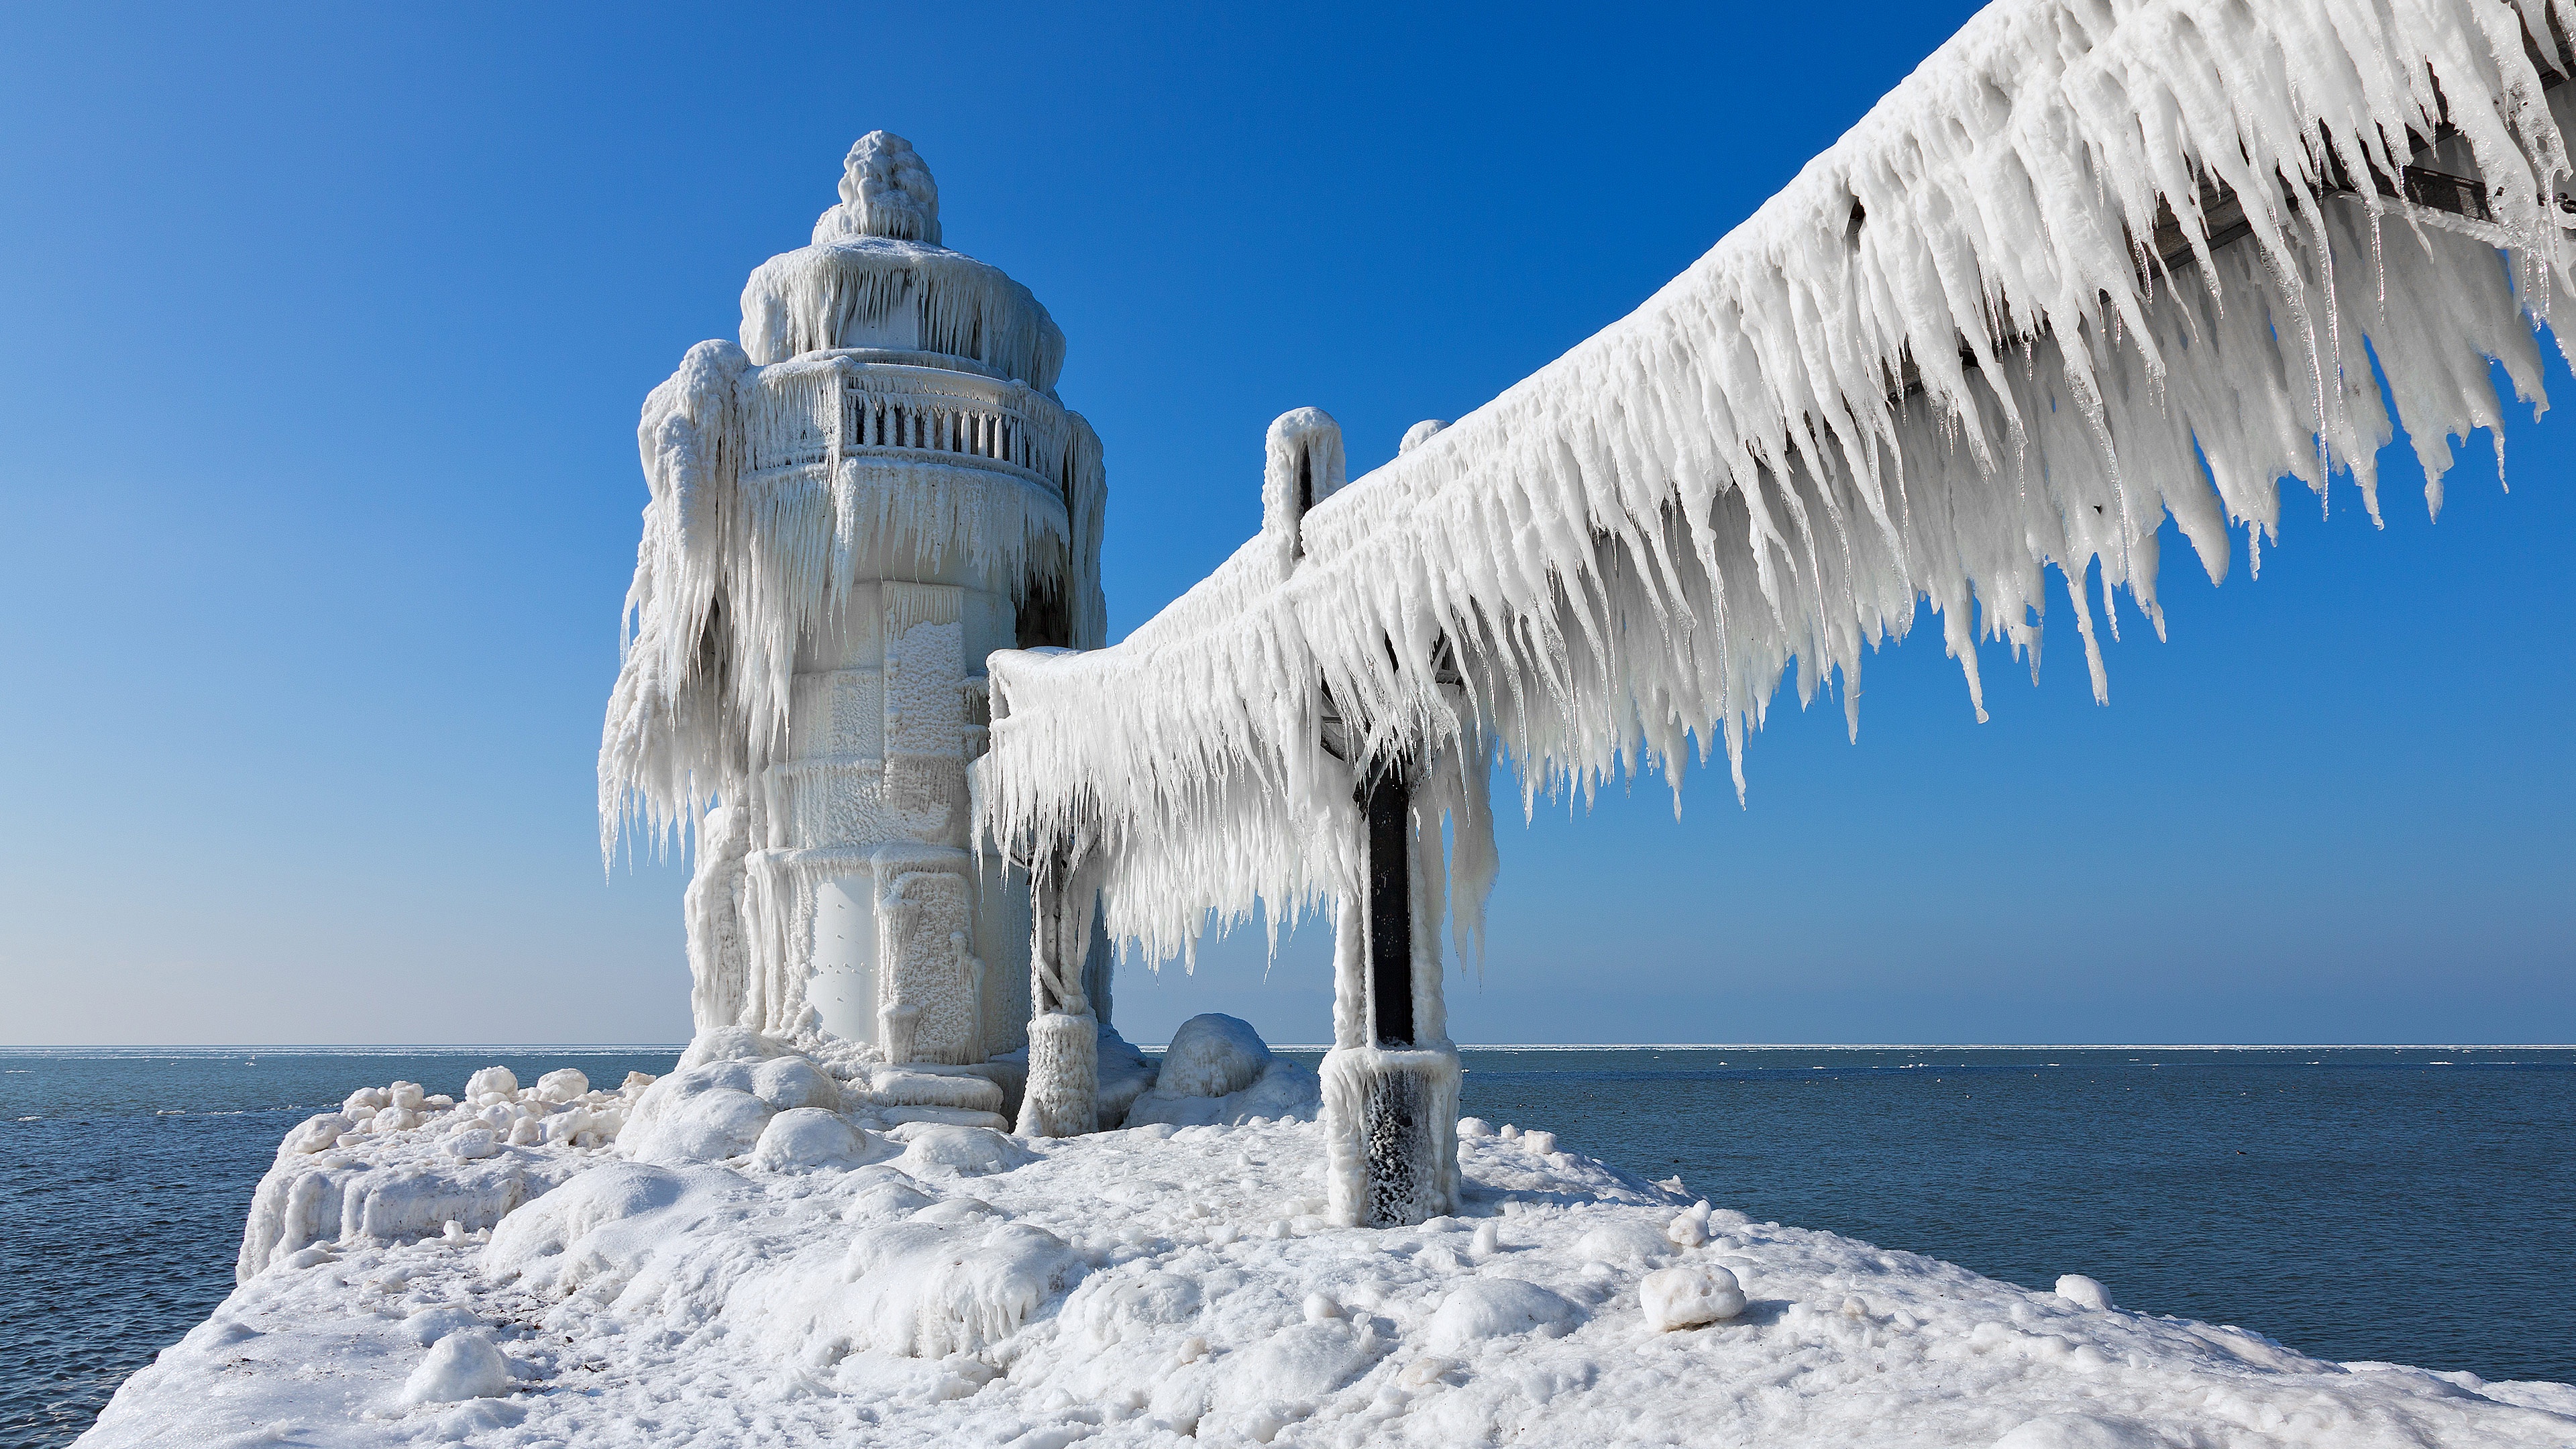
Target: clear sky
[(325, 335)]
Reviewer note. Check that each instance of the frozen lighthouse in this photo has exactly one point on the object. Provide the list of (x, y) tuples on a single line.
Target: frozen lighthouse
[(851, 508)]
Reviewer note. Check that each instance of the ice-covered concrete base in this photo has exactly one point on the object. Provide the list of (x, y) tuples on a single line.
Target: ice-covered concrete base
[(1063, 1097), (941, 1284), (1390, 1117)]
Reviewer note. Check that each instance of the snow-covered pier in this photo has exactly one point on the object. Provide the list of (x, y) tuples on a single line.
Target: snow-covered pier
[(2093, 266)]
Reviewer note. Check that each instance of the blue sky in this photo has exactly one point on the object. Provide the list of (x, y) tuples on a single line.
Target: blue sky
[(326, 331)]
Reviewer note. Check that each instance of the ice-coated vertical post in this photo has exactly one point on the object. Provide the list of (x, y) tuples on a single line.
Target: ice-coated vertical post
[(1063, 1095), (1391, 1081)]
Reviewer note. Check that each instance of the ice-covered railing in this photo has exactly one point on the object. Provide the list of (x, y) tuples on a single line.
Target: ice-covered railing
[(1995, 330)]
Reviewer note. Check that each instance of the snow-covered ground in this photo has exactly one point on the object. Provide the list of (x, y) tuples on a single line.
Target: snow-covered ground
[(737, 1255)]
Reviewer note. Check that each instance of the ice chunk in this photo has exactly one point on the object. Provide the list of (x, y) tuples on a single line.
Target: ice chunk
[(803, 1138), (1292, 1369), (2079, 1431), (1498, 1308), (562, 1085), (2083, 1292), (1689, 1296), (1152, 1299), (941, 1150), (315, 1134), (892, 1197), (1285, 1091), (472, 1143), (553, 1223), (430, 1325), (728, 1044), (1212, 1055), (923, 1290), (458, 1366), (700, 1114), (492, 1080), (1623, 1243), (789, 1082)]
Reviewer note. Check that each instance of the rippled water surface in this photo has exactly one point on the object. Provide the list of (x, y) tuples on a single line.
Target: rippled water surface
[(2397, 1204)]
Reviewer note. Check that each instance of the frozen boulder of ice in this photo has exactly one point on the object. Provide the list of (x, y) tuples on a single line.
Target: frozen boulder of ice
[(1219, 1073), (1212, 1055), (430, 1325), (786, 1083), (925, 1290), (545, 1230), (2078, 1431), (1284, 1375), (1688, 1229), (458, 1366), (1689, 1297), (562, 1085), (314, 1134), (492, 1081), (801, 1139), (1498, 1308), (1107, 1308), (2083, 1292), (699, 1114), (1622, 1244), (728, 1044), (938, 1149), (889, 1196), (473, 1143)]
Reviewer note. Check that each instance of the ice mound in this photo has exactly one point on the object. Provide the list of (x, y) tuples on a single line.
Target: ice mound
[(396, 1162), (1285, 1377), (1624, 1244), (1499, 1308), (940, 1150), (1212, 1056), (2079, 1431), (2083, 1292), (459, 1366), (728, 1044), (925, 1290), (804, 1138), (719, 1109), (1689, 1297), (1219, 1072)]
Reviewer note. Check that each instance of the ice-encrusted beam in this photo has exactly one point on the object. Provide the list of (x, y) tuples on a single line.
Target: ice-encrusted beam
[(1628, 549)]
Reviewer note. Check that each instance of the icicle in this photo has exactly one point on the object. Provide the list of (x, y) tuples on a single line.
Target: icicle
[(2050, 331)]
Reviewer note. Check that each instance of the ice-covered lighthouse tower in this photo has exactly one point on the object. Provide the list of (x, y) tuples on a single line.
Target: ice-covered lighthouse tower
[(850, 510)]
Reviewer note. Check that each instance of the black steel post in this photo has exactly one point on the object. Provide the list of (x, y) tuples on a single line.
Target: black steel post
[(1389, 800)]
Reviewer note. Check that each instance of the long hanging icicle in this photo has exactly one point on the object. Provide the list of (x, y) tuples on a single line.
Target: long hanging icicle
[(2094, 264)]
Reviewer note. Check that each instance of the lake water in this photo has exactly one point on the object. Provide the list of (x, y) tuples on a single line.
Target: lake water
[(2412, 1204)]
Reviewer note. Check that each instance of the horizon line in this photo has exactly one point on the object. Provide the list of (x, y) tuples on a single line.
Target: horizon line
[(677, 1046)]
